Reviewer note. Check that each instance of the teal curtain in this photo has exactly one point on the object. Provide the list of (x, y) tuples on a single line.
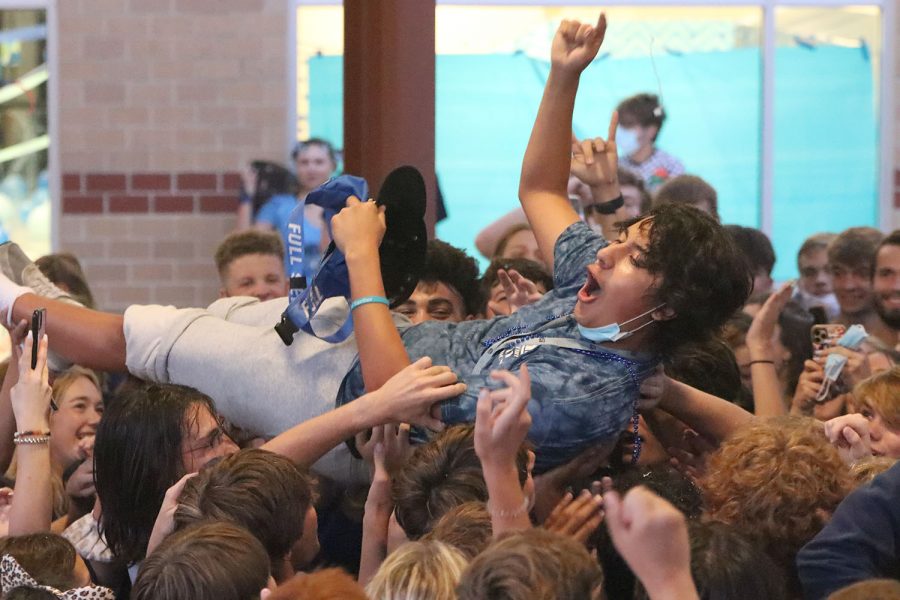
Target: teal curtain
[(825, 144)]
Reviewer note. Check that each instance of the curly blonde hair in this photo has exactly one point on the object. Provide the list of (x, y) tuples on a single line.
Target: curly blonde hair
[(776, 481)]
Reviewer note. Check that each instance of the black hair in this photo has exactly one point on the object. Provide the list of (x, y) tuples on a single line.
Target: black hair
[(535, 271), (702, 276), (709, 366), (755, 246), (137, 457), (453, 267), (272, 179), (892, 239), (645, 109)]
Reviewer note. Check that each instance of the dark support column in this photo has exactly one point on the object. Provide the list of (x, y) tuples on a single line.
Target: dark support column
[(389, 89)]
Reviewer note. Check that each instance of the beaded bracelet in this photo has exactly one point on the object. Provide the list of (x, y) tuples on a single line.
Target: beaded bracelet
[(31, 433), (508, 514)]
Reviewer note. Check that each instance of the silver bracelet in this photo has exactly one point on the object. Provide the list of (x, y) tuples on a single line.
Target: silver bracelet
[(31, 439)]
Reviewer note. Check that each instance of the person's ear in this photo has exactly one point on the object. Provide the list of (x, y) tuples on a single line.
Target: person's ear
[(663, 313)]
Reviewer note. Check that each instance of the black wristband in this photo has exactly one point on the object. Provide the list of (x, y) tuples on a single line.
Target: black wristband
[(607, 208)]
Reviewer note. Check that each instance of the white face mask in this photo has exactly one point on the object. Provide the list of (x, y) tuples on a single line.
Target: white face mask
[(613, 332), (626, 141)]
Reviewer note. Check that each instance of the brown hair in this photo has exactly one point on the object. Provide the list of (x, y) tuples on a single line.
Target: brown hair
[(870, 589), (440, 475), (327, 584), (418, 571), (817, 241), (775, 481), (627, 177), (209, 561), (690, 190), (242, 243), (881, 394), (64, 270), (264, 492), (534, 564), (47, 557), (466, 527), (854, 247)]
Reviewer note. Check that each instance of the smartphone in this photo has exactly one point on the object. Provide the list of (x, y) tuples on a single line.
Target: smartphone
[(38, 328), (825, 336)]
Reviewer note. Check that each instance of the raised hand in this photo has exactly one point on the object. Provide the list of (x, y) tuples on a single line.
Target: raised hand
[(394, 441), (576, 518), (411, 396), (165, 520), (31, 394), (761, 335), (595, 161), (360, 225), (519, 291), (576, 44), (651, 535), (501, 418)]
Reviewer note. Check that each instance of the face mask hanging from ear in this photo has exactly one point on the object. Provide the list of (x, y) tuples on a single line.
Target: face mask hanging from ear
[(613, 332)]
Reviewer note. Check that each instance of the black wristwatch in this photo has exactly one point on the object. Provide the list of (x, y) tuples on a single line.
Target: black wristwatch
[(606, 208)]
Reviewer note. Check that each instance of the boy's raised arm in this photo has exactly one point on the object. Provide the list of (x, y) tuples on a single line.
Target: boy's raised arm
[(545, 168)]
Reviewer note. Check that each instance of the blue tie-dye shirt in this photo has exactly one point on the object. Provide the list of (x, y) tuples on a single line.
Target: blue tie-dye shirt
[(579, 397)]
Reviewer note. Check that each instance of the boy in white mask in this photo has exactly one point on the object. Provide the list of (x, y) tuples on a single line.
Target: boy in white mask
[(640, 121)]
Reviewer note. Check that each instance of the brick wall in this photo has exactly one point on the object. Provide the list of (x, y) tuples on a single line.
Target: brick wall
[(148, 237), (161, 101)]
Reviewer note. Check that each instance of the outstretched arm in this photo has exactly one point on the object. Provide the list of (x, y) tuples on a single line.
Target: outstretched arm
[(708, 415), (406, 397), (545, 168), (90, 338), (357, 232)]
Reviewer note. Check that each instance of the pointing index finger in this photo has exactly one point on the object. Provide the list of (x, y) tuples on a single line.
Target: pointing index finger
[(613, 125)]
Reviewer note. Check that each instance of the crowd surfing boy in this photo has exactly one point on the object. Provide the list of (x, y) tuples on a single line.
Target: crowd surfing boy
[(671, 277)]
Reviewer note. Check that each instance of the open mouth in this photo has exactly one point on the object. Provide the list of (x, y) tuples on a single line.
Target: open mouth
[(591, 288)]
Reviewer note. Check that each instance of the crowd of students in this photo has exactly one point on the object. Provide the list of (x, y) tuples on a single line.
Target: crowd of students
[(621, 406)]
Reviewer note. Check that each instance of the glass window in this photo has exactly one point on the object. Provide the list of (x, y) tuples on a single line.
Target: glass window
[(25, 208), (705, 63), (827, 66)]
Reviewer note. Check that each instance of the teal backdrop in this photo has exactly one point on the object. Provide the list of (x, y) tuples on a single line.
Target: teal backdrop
[(826, 143)]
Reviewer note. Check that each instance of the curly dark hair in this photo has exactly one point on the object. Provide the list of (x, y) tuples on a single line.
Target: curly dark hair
[(453, 267), (702, 276)]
